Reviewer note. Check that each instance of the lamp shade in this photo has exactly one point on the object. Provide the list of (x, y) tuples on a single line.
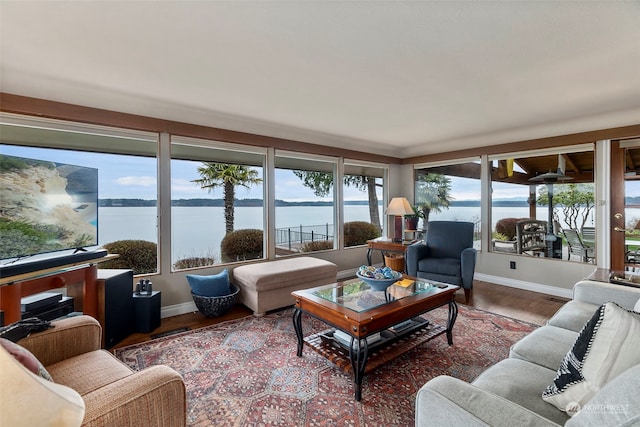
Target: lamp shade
[(399, 206)]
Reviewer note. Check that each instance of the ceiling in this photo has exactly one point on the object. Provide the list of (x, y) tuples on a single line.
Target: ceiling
[(401, 78)]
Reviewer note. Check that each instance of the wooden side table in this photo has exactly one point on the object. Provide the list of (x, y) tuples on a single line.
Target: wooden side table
[(383, 244)]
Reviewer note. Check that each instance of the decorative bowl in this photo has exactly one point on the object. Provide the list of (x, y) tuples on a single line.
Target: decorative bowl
[(380, 284)]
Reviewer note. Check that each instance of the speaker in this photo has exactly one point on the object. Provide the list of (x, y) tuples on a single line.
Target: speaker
[(115, 305)]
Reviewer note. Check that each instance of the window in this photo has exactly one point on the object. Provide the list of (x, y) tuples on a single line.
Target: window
[(304, 198), (127, 172), (217, 198), (449, 192), (363, 192), (554, 187)]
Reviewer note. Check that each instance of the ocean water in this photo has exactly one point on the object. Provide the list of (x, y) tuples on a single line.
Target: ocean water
[(198, 231)]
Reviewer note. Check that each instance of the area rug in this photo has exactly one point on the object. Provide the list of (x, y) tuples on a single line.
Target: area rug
[(245, 372)]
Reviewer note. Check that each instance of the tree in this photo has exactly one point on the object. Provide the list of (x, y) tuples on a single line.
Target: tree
[(228, 177), (322, 182), (576, 201), (433, 193)]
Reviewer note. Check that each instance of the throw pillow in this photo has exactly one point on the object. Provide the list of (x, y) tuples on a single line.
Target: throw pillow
[(607, 345), (216, 285), (26, 358)]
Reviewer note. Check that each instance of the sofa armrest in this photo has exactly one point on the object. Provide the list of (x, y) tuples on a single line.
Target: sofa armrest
[(415, 252), (156, 393), (66, 338), (447, 401), (601, 292)]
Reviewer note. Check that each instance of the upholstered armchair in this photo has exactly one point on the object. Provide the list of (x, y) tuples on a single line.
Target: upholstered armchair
[(90, 386), (446, 255)]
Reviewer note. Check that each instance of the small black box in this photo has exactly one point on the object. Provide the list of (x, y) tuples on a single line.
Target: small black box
[(34, 302), (146, 310)]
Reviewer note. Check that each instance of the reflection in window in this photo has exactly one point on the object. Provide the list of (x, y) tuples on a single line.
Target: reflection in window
[(449, 193), (554, 192), (363, 194), (217, 203), (304, 193)]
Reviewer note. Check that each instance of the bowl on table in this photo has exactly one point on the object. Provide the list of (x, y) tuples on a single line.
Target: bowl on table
[(380, 284)]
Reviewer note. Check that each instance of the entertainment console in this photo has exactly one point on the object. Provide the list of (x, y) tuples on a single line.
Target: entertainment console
[(79, 275)]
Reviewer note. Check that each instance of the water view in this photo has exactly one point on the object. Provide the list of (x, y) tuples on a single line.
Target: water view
[(198, 231)]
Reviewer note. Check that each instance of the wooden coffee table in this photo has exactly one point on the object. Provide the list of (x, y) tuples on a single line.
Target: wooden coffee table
[(368, 320)]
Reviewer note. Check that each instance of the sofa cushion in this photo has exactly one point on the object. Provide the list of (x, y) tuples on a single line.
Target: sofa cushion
[(280, 274), (606, 346), (573, 315), (440, 266), (89, 371), (546, 346), (215, 285), (615, 404), (25, 357), (522, 383)]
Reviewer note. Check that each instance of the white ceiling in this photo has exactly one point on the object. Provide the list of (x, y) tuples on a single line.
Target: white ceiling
[(400, 78)]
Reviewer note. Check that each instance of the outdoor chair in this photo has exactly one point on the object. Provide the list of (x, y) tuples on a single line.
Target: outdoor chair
[(577, 246), (589, 236), (446, 255), (531, 237)]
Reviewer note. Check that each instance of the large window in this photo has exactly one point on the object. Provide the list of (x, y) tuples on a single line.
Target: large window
[(304, 203), (126, 167), (217, 198), (543, 203), (449, 192), (363, 192)]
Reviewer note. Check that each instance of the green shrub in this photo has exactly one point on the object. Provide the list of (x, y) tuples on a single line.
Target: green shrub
[(138, 255), (319, 245), (193, 262), (358, 232), (507, 227), (241, 245)]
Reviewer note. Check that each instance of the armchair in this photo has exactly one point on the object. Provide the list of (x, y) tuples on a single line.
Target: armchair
[(446, 254), (110, 392)]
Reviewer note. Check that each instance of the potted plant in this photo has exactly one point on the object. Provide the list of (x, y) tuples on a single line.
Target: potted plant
[(411, 221)]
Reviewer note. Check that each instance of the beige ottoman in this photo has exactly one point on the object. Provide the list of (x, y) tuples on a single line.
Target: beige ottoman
[(268, 285)]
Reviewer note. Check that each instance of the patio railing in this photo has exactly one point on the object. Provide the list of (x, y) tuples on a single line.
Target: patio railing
[(295, 237)]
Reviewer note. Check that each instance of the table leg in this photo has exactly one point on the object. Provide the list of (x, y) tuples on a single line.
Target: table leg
[(453, 314), (358, 356), (297, 326), (369, 256)]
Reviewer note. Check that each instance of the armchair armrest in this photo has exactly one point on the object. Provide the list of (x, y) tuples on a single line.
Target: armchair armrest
[(447, 401), (66, 338), (468, 266), (415, 252), (601, 292), (156, 393)]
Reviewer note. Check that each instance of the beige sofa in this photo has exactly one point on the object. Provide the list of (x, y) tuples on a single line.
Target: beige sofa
[(86, 380)]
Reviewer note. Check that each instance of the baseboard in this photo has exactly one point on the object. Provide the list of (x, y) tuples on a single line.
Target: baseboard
[(190, 307), (527, 286)]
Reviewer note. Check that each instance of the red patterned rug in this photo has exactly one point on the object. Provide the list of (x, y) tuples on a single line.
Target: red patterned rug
[(245, 372)]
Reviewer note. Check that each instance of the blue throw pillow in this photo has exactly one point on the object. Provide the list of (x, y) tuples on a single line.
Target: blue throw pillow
[(216, 285)]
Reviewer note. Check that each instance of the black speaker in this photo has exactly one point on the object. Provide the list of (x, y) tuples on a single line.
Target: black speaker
[(115, 305), (147, 311)]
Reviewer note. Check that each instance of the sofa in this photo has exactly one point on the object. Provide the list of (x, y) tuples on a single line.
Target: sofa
[(89, 386), (510, 393)]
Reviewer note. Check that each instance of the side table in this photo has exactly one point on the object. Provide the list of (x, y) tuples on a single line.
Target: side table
[(386, 245), (146, 310)]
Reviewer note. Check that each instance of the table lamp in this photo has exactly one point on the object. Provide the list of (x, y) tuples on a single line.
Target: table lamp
[(399, 207)]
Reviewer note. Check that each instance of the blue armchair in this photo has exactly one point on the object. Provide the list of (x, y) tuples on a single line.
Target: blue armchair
[(446, 255)]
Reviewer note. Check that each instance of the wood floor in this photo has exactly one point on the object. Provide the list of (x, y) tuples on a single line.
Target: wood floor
[(523, 305)]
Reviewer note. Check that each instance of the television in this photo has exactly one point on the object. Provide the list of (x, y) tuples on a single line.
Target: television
[(46, 208)]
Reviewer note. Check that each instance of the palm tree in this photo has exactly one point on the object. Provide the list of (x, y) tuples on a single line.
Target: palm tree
[(433, 192), (228, 177)]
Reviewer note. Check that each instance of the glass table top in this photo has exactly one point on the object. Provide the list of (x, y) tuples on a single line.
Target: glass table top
[(356, 295)]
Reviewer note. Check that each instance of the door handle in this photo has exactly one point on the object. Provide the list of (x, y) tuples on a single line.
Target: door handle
[(621, 230)]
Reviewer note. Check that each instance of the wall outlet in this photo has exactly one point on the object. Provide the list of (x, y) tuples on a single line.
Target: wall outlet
[(512, 265)]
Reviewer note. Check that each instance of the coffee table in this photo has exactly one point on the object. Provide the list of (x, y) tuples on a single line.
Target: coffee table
[(365, 321)]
